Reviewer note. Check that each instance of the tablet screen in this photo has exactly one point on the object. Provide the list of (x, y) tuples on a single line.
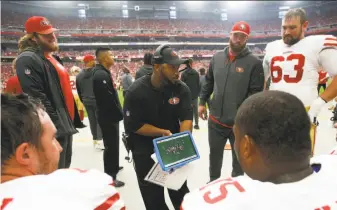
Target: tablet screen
[(176, 150)]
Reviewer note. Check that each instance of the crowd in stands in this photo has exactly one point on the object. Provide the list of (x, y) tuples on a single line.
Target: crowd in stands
[(116, 70), (125, 55), (174, 26), (6, 73), (130, 53)]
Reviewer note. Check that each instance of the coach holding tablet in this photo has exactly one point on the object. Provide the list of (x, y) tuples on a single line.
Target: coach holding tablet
[(157, 105)]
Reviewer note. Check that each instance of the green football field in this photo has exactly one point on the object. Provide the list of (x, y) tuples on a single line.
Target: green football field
[(120, 96)]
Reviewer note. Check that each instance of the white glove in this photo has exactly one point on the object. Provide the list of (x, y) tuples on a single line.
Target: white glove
[(315, 109)]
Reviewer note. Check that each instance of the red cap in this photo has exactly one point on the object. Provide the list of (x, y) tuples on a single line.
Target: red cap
[(38, 24), (88, 58), (241, 27)]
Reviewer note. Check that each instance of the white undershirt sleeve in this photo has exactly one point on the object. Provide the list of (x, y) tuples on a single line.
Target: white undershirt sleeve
[(327, 59)]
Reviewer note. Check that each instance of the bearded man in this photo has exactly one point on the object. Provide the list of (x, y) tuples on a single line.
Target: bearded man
[(234, 74), (43, 77), (293, 64)]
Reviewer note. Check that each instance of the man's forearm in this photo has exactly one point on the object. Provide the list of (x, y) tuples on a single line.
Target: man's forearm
[(186, 125), (331, 91), (150, 130), (324, 79)]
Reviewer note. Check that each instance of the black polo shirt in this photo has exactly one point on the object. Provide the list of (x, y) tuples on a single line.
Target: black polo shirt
[(144, 104)]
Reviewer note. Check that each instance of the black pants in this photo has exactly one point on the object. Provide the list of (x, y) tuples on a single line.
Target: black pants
[(110, 133), (195, 111), (217, 137), (153, 195), (94, 126), (319, 87), (66, 143)]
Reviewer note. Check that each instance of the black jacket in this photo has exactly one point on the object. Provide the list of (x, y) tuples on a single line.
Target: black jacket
[(144, 70), (231, 82), (107, 101), (84, 87), (39, 78), (191, 78)]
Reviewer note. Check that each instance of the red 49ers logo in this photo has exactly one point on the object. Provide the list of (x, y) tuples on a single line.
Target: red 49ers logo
[(242, 26), (174, 100), (45, 22)]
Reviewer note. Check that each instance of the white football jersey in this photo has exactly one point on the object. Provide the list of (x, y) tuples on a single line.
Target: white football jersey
[(316, 192), (294, 69), (64, 189)]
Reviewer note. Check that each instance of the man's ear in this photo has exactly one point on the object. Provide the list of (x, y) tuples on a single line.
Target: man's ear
[(305, 25), (247, 147), (24, 153), (156, 67)]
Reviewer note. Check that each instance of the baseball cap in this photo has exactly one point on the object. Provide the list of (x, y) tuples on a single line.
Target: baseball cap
[(241, 27), (169, 57), (39, 24), (88, 58)]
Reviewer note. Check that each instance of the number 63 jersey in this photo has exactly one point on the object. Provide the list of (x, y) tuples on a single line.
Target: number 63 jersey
[(294, 69)]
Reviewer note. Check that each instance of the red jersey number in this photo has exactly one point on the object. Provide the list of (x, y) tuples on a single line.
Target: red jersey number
[(5, 202), (277, 73), (223, 190), (73, 84)]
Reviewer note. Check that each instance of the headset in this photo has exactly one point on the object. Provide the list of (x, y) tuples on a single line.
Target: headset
[(157, 56)]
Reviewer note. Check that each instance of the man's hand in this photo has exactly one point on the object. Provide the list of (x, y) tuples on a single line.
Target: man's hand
[(202, 112), (167, 133), (315, 109)]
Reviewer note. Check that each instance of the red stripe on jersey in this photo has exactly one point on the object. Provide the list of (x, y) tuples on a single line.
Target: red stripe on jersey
[(181, 207), (332, 153), (332, 38), (109, 202), (80, 170), (330, 44), (5, 202)]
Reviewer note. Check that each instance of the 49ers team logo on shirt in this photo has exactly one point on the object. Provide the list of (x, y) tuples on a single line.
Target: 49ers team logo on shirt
[(174, 100), (239, 69)]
